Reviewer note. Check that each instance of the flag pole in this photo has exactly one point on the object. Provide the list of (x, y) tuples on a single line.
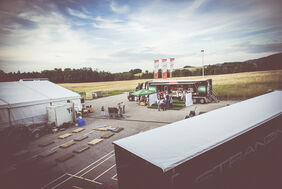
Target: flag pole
[(203, 69)]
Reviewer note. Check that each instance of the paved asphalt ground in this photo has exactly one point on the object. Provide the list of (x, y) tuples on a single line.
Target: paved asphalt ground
[(95, 167)]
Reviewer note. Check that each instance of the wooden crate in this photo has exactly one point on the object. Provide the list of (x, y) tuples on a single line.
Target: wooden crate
[(46, 143), (102, 128), (80, 138), (65, 136), (78, 130), (81, 149), (20, 153), (67, 144), (107, 135), (95, 141), (117, 130), (64, 157), (47, 153)]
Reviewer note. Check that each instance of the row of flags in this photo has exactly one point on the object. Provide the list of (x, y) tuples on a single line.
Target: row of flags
[(164, 65)]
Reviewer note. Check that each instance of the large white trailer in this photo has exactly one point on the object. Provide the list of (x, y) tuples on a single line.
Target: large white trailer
[(237, 146)]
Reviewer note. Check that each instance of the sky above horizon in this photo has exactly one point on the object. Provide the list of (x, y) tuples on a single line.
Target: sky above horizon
[(119, 35)]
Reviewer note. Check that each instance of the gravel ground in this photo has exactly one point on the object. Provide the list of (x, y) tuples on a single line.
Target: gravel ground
[(95, 167)]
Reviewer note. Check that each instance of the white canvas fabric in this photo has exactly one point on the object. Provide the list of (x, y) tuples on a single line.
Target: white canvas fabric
[(188, 99), (15, 94), (153, 98), (173, 144), (28, 115), (25, 102), (50, 90)]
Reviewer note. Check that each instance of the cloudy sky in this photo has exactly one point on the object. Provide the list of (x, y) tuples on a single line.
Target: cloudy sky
[(119, 35)]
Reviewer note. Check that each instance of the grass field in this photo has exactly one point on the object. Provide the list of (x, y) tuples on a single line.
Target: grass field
[(227, 86), (176, 105)]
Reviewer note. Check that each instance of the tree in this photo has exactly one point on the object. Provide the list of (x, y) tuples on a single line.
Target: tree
[(135, 71)]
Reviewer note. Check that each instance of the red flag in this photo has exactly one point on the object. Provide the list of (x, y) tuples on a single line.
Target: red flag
[(164, 68), (164, 75), (171, 59), (156, 61), (156, 75)]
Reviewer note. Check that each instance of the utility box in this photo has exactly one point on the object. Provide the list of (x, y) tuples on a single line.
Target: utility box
[(237, 146), (89, 95), (94, 94), (60, 114), (97, 94)]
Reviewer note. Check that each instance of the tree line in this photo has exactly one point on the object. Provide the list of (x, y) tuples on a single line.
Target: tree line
[(68, 75)]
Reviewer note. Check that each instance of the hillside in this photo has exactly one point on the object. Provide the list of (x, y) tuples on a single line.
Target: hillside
[(272, 62)]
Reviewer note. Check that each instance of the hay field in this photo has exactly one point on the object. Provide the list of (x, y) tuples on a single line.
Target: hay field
[(227, 86)]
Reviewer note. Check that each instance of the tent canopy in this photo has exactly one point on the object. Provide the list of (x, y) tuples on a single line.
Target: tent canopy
[(14, 93), (50, 90), (25, 102), (143, 92), (25, 93), (173, 144)]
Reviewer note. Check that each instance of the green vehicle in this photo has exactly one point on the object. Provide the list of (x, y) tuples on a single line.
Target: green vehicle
[(201, 89)]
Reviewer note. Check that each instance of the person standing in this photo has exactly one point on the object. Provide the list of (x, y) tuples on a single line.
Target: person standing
[(159, 104), (103, 111), (170, 102), (120, 110), (164, 104)]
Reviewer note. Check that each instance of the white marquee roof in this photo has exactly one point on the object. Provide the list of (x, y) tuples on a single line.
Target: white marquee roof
[(23, 93), (173, 144)]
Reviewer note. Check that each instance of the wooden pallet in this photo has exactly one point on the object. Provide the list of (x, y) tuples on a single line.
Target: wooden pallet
[(107, 135), (95, 141), (47, 153), (117, 130), (46, 143), (81, 149), (46, 166), (78, 130), (20, 153), (8, 170), (102, 128), (67, 144), (65, 135), (80, 138), (64, 157)]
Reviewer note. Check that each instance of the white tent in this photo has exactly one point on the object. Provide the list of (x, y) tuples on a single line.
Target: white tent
[(173, 144), (25, 102)]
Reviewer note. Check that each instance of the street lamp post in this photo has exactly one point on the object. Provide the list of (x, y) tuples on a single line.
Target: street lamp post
[(203, 69)]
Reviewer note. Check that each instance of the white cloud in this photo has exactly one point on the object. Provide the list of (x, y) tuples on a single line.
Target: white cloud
[(119, 9), (135, 39), (78, 14)]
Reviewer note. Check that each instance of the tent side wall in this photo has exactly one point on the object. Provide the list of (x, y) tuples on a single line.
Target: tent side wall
[(250, 160), (28, 115)]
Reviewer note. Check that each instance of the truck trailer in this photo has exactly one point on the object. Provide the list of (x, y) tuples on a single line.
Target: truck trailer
[(201, 89), (237, 146)]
